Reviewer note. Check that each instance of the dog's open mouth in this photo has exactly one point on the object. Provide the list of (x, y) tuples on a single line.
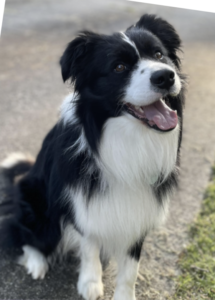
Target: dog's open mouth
[(157, 115)]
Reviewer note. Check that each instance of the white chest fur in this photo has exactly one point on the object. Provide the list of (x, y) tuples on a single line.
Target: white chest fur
[(117, 219), (132, 153), (131, 159)]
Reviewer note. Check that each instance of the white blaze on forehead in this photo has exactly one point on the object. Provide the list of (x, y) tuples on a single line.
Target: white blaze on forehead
[(140, 90), (130, 42)]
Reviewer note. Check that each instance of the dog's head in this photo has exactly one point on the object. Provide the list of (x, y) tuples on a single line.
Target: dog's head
[(135, 72)]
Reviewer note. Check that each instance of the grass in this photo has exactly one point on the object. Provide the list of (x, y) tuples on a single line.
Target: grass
[(197, 262)]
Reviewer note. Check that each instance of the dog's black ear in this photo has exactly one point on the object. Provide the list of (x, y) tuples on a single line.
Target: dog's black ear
[(165, 32), (72, 59)]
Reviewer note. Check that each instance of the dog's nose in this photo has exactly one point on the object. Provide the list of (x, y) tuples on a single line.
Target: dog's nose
[(163, 79)]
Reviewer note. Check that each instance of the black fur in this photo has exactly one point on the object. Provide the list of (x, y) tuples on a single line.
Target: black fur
[(19, 169), (163, 31), (163, 187), (135, 250)]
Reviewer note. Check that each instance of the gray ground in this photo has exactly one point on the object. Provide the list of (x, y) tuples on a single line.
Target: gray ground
[(34, 35)]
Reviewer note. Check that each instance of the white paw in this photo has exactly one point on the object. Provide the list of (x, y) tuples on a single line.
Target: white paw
[(34, 262), (90, 290)]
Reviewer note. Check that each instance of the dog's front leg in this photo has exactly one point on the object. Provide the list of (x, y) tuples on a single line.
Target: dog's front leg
[(127, 274), (90, 285)]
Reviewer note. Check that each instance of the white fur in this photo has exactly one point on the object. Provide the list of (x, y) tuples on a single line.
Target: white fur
[(126, 278), (131, 153), (15, 158), (34, 262), (120, 218), (80, 144), (67, 115), (67, 109), (90, 284), (70, 242), (140, 91), (70, 239), (131, 158)]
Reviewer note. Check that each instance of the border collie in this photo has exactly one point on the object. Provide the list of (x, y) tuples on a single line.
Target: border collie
[(104, 174)]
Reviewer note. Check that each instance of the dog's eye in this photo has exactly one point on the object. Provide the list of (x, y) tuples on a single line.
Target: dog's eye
[(120, 68), (158, 55)]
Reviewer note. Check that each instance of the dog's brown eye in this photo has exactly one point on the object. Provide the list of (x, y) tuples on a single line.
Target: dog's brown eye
[(158, 55), (120, 68)]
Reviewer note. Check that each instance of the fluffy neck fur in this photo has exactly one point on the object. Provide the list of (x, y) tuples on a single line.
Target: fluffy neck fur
[(128, 152), (132, 153)]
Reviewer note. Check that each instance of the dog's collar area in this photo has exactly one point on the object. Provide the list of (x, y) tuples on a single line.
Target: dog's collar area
[(157, 115)]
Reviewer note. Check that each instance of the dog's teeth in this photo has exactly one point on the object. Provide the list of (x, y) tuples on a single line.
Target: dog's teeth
[(141, 110)]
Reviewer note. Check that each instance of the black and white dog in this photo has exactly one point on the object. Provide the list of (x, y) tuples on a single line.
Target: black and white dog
[(103, 177)]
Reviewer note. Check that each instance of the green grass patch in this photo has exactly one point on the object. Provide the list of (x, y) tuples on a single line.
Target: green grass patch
[(197, 261)]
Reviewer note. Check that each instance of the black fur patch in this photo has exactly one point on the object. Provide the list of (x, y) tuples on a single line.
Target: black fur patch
[(162, 189), (135, 250)]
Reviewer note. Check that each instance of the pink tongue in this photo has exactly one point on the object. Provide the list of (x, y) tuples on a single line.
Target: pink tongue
[(161, 115)]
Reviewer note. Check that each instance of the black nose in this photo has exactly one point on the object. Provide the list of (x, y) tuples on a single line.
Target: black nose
[(163, 79)]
